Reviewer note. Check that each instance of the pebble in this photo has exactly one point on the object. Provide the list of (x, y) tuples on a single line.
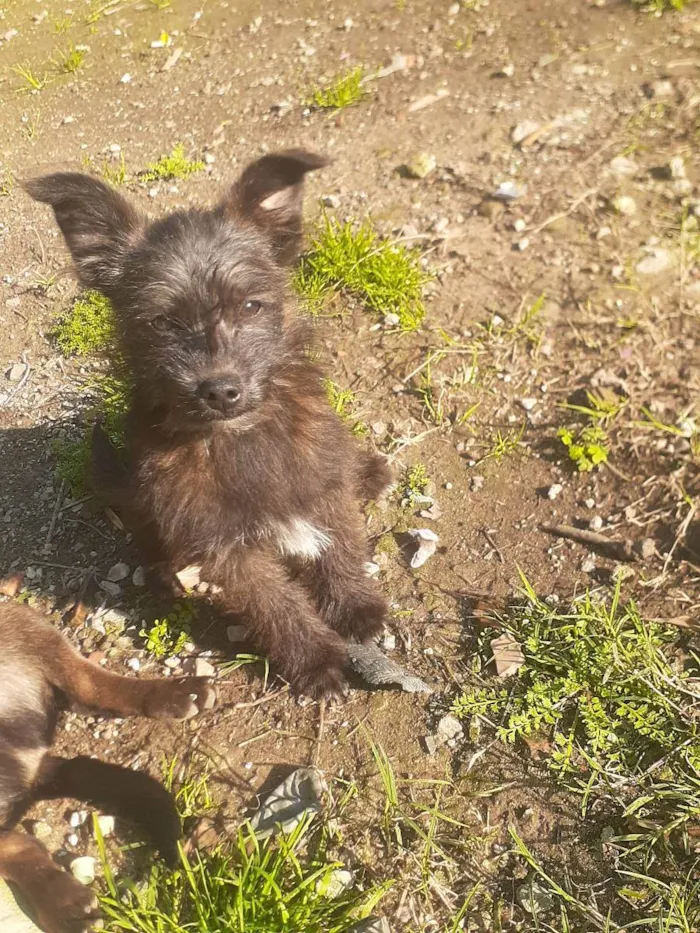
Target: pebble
[(118, 572), (646, 548), (138, 577), (519, 225), (509, 191), (125, 78), (623, 167), (528, 403), (16, 372), (657, 261), (554, 491), (77, 818), (524, 129), (388, 642), (588, 566), (421, 165), (662, 89), (338, 882), (106, 825), (199, 667), (331, 200), (134, 664), (83, 869), (589, 503), (109, 586), (477, 483), (448, 728), (524, 243), (596, 523), (534, 898), (41, 830), (624, 204)]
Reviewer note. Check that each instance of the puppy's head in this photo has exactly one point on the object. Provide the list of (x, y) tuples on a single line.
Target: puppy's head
[(199, 294)]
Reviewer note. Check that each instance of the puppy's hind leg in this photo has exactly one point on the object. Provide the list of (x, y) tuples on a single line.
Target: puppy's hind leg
[(59, 903)]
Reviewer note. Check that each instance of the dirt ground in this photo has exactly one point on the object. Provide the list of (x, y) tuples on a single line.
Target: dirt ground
[(607, 101)]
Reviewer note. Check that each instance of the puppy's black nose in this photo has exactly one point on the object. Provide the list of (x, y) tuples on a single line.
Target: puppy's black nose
[(219, 394)]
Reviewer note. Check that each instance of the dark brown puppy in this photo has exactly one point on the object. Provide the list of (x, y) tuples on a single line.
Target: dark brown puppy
[(39, 672), (236, 463)]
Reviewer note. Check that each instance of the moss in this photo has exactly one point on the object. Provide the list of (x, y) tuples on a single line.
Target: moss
[(175, 165), (88, 327)]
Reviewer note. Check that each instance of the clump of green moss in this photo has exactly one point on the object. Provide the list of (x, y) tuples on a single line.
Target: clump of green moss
[(169, 635), (88, 327), (175, 165), (386, 277), (343, 91), (387, 545)]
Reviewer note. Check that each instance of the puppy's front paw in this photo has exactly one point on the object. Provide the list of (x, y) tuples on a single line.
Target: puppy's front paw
[(359, 616), (180, 698), (64, 905), (324, 676)]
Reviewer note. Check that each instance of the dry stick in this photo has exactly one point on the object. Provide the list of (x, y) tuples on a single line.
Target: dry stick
[(493, 544), (618, 550), (555, 217), (54, 517)]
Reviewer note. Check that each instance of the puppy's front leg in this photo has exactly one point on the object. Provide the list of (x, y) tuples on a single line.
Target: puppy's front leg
[(348, 600), (59, 903), (280, 620)]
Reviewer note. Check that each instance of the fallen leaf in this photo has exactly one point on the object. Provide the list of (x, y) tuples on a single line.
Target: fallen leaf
[(507, 655)]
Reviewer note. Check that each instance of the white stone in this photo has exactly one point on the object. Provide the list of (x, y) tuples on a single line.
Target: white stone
[(83, 869), (118, 572), (657, 261)]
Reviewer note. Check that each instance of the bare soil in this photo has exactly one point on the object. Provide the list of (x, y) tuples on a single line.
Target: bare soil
[(599, 80)]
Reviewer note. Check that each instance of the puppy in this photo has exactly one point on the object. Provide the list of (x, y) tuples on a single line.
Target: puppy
[(235, 462), (39, 671)]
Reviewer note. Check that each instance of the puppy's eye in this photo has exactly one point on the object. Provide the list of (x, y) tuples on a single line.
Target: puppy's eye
[(251, 308), (162, 323)]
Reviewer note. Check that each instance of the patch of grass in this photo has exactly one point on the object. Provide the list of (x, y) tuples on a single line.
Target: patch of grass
[(685, 427), (504, 444), (175, 165), (343, 402), (70, 61), (284, 885), (7, 184), (61, 25), (659, 7), (191, 794), (386, 277), (168, 636), (31, 81), (343, 91), (414, 482), (115, 174), (603, 407), (73, 464), (587, 448), (88, 327)]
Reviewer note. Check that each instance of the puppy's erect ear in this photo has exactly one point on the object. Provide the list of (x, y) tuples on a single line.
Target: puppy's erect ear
[(270, 192), (98, 224)]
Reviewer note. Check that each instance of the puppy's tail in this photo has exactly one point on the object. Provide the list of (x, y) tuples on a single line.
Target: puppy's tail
[(121, 792), (108, 471)]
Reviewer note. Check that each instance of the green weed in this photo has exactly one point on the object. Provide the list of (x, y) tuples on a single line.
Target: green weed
[(88, 327), (504, 444), (344, 402), (414, 482), (603, 407), (115, 174), (7, 184), (168, 636), (659, 7), (344, 91), (31, 81), (175, 165), (192, 795), (386, 277), (283, 884), (73, 463), (587, 448), (70, 61), (62, 25)]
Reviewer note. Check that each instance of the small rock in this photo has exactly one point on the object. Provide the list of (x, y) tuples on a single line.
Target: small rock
[(391, 319), (172, 663), (645, 548), (477, 483), (139, 577), (588, 566), (554, 491), (388, 642), (519, 225), (528, 403), (490, 208), (338, 882), (421, 165), (118, 572), (236, 633), (125, 78), (281, 108), (589, 503), (77, 818), (657, 261), (372, 568), (524, 129), (434, 513), (378, 428), (534, 898), (676, 167), (16, 372), (523, 244), (199, 667), (623, 167), (662, 89), (106, 825), (331, 200), (427, 546), (134, 664), (507, 71), (110, 587), (624, 204), (72, 840), (453, 9), (509, 191), (448, 728), (603, 232), (83, 869), (596, 523)]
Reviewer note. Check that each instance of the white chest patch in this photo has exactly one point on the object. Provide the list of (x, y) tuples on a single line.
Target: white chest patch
[(299, 538)]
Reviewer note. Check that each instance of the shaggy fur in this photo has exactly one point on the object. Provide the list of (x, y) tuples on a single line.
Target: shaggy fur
[(236, 463), (39, 671)]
